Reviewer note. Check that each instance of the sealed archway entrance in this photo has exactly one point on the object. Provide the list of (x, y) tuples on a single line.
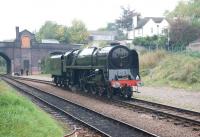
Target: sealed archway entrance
[(8, 63)]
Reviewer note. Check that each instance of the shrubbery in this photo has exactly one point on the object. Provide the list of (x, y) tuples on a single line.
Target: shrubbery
[(44, 65), (153, 42), (179, 70), (2, 66), (151, 59)]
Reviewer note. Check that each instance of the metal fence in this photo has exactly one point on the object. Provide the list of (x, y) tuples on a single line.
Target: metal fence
[(169, 49), (154, 48)]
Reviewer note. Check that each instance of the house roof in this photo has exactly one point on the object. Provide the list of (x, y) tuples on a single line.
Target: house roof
[(25, 31), (50, 41), (107, 33), (143, 21), (9, 40)]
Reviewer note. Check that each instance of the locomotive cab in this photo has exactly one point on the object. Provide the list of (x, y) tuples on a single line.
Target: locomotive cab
[(56, 68)]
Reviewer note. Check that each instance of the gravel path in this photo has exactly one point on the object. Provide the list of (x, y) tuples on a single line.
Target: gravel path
[(145, 121), (170, 96), (41, 77)]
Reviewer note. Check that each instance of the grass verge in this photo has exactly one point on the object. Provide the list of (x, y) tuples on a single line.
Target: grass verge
[(19, 117), (176, 70)]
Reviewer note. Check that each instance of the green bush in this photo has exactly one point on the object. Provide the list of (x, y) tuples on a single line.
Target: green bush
[(45, 63), (153, 42), (2, 66)]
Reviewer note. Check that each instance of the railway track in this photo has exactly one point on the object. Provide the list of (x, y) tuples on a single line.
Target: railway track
[(31, 79), (180, 116), (75, 127), (102, 124)]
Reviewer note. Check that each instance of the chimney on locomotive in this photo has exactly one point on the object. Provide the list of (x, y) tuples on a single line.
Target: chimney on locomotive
[(115, 43)]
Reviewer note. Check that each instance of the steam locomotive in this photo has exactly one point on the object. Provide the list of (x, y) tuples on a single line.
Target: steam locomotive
[(111, 70)]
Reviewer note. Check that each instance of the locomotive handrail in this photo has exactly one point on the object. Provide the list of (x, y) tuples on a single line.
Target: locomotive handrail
[(85, 67)]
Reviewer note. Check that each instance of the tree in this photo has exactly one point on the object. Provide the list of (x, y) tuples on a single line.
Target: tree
[(62, 34), (51, 30), (185, 22), (125, 21), (182, 32), (78, 32), (47, 31), (189, 10)]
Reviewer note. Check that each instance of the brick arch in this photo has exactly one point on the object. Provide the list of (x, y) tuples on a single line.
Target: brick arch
[(8, 62)]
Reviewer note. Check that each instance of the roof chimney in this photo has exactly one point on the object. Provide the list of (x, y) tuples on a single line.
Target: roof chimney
[(135, 21), (17, 33)]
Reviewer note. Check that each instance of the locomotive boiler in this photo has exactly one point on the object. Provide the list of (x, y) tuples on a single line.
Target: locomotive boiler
[(111, 70)]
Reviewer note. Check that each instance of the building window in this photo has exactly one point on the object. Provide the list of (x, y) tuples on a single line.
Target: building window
[(151, 30), (25, 42), (164, 31)]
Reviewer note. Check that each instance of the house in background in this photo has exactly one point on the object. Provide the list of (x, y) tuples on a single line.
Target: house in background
[(102, 35), (50, 41), (148, 26)]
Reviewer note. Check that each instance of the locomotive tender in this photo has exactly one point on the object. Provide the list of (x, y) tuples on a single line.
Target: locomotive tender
[(111, 70)]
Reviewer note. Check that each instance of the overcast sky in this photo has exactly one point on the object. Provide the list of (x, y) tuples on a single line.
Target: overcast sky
[(31, 14)]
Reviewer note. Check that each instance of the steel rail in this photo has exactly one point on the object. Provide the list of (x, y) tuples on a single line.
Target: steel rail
[(109, 127), (168, 107), (160, 109), (187, 116), (157, 108)]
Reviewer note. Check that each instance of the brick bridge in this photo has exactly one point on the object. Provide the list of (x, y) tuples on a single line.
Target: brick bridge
[(25, 53)]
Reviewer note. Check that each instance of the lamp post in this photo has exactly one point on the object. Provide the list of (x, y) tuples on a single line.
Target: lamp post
[(168, 38), (157, 36), (133, 30)]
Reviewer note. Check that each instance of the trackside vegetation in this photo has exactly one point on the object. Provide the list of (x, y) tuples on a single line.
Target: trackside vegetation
[(2, 66), (180, 70), (19, 117)]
